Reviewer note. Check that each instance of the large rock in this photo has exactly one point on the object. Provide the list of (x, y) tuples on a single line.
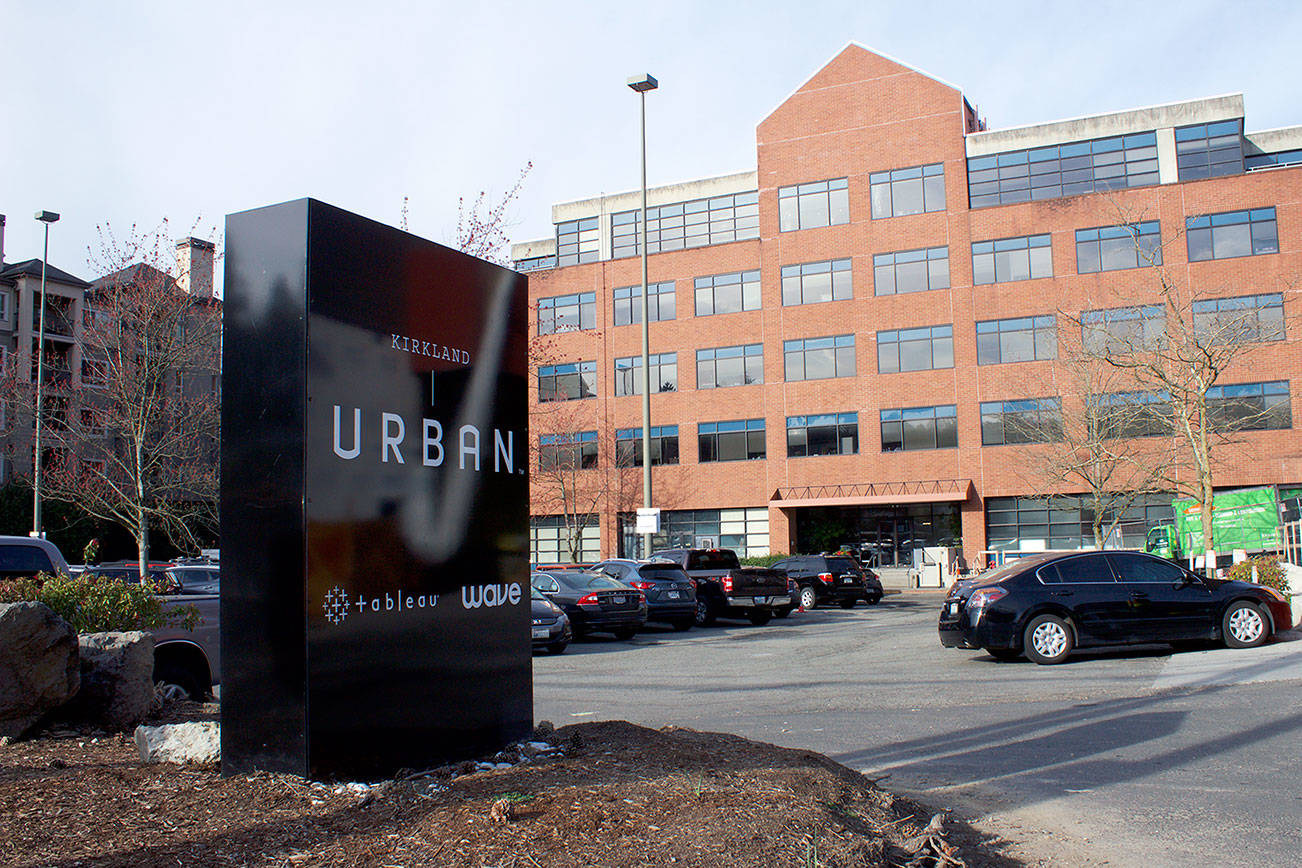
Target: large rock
[(38, 665), (117, 680), (180, 743)]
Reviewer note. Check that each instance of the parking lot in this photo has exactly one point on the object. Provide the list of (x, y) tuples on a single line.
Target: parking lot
[(1115, 757)]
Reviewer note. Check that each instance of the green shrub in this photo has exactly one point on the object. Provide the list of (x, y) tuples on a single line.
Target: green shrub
[(1269, 573), (762, 560), (95, 605)]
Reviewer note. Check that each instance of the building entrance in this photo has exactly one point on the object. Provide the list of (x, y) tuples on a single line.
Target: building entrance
[(881, 536)]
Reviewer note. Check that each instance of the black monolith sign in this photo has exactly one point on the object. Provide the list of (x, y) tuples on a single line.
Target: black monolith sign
[(375, 597)]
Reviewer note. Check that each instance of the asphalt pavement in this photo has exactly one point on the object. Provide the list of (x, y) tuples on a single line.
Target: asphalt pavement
[(1118, 757)]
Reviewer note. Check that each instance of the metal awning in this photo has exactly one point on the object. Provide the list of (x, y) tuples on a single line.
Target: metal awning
[(873, 493)]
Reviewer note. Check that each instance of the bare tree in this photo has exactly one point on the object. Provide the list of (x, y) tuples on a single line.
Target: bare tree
[(1177, 344), (133, 435), (481, 230)]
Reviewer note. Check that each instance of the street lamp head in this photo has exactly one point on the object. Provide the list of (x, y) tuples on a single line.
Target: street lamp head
[(47, 216), (643, 83)]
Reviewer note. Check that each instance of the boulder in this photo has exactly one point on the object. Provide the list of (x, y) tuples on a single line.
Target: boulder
[(38, 665), (117, 680), (180, 743)]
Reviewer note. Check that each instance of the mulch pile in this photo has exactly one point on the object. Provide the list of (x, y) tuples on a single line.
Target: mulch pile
[(615, 795)]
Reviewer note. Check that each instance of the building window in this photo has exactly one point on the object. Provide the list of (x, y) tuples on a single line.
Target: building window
[(737, 440), (94, 372), (808, 206), (659, 302), (745, 531), (1062, 170), (553, 540), (535, 263), (920, 349), (664, 446), (1027, 339), (92, 422), (911, 271), (664, 374), (1031, 420), (1239, 319), (567, 451), (1250, 406), (828, 434), (908, 191), (1209, 150), (908, 428), (1276, 160), (1112, 248), (729, 366), (818, 358), (1065, 522), (1009, 259), (577, 241), (1134, 414), (4, 306), (683, 225), (1122, 330), (817, 281), (1231, 234), (564, 313), (727, 293), (567, 382)]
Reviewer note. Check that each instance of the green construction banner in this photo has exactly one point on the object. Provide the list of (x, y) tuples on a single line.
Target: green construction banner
[(1244, 519)]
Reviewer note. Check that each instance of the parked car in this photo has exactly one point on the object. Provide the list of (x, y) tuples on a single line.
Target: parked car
[(724, 588), (551, 626), (793, 600), (24, 557), (831, 579), (594, 602), (1044, 606), (670, 592), (129, 572)]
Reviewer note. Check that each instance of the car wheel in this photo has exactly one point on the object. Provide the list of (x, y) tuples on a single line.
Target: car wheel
[(176, 683), (1244, 625), (685, 624), (873, 601), (848, 604), (760, 617), (706, 612), (808, 599), (1048, 639), (1004, 654), (624, 633), (557, 647)]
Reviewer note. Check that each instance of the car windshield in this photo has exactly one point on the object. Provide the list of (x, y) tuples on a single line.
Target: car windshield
[(842, 565), (584, 581), (722, 559), (662, 571)]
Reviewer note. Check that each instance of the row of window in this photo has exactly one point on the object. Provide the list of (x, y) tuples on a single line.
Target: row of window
[(1238, 407), (1111, 331), (1029, 257)]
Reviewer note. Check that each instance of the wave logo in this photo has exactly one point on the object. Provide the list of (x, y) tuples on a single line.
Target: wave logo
[(474, 596), (336, 605)]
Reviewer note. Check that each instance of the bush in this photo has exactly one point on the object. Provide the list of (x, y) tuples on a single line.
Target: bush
[(1269, 573), (762, 560), (94, 605)]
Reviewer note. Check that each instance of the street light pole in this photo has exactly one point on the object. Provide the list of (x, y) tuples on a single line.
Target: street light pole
[(46, 217), (642, 84)]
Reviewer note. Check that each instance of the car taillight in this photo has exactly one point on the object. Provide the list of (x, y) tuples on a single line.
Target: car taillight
[(727, 584), (589, 600), (643, 586), (984, 597), (825, 578)]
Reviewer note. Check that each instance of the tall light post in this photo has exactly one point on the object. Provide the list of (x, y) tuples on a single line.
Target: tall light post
[(46, 217), (642, 84)]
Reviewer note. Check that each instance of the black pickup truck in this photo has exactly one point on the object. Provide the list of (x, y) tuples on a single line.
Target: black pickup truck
[(724, 588)]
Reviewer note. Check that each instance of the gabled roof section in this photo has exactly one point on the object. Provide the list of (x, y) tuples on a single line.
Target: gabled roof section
[(32, 268), (138, 273), (856, 65)]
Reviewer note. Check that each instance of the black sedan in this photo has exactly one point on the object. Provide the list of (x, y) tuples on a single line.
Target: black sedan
[(1046, 605), (551, 626), (594, 602), (670, 593)]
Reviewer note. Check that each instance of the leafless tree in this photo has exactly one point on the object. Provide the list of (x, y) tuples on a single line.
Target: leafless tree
[(481, 230)]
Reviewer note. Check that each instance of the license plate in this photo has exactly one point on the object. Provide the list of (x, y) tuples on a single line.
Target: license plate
[(953, 608), (541, 632), (618, 601), (673, 595), (847, 581)]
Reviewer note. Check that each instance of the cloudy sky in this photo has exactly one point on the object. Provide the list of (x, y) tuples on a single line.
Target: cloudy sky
[(132, 111)]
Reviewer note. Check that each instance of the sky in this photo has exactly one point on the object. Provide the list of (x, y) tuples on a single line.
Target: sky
[(133, 112)]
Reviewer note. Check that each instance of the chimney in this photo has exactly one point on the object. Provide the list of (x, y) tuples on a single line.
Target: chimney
[(194, 266)]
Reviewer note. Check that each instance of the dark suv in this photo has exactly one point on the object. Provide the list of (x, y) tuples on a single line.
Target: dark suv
[(831, 579)]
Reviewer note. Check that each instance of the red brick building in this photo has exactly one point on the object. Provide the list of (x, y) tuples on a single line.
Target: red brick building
[(842, 340)]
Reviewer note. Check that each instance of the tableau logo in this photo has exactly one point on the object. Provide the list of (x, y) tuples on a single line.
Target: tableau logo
[(474, 596)]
